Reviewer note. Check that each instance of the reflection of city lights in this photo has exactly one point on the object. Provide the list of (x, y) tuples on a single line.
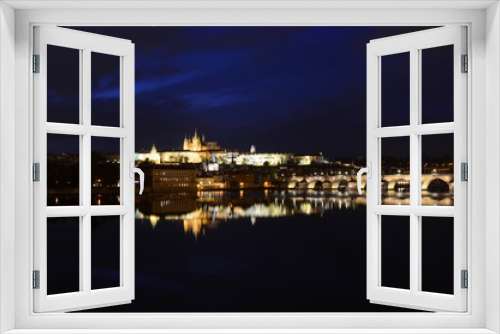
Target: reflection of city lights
[(153, 219), (306, 208), (211, 208)]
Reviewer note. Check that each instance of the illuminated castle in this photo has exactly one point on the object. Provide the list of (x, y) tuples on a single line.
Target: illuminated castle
[(197, 144), (196, 150)]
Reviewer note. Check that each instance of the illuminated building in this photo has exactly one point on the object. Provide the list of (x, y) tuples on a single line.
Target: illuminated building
[(261, 159), (209, 182), (152, 156), (304, 160), (170, 179), (197, 150), (198, 144)]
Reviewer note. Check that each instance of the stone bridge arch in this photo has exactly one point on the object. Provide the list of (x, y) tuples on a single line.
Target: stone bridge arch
[(398, 184), (436, 184), (302, 184), (315, 185), (340, 184)]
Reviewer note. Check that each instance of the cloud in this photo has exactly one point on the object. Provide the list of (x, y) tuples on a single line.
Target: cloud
[(282, 88)]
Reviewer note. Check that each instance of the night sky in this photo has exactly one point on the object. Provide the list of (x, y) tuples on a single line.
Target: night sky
[(282, 89)]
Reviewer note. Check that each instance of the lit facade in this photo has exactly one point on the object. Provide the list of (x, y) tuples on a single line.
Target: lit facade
[(197, 150), (197, 144), (176, 179), (262, 159), (152, 156)]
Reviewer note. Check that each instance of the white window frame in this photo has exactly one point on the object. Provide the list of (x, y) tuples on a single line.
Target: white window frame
[(123, 50), (483, 21), (414, 44)]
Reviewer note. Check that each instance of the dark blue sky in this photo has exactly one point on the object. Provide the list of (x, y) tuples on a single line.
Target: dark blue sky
[(294, 89)]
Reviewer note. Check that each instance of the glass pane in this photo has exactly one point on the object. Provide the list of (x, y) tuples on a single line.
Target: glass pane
[(63, 255), (63, 85), (63, 170), (395, 94), (105, 89), (395, 251), (395, 171), (105, 171), (437, 254), (437, 84), (437, 170), (105, 252)]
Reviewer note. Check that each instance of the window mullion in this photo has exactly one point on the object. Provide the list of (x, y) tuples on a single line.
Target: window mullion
[(85, 247), (86, 194), (414, 169), (86, 122)]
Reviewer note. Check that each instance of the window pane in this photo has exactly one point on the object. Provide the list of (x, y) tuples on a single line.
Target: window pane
[(437, 84), (395, 171), (395, 94), (437, 170), (437, 254), (105, 252), (395, 251), (105, 171), (105, 89), (63, 85), (63, 255), (63, 170)]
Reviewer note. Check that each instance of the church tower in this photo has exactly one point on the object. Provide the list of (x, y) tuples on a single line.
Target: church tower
[(196, 142), (186, 145)]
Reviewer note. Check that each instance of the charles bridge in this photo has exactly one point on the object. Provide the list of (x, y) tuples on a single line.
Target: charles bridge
[(443, 182)]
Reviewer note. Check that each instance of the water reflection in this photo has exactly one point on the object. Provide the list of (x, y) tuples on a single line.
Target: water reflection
[(207, 209), (394, 197)]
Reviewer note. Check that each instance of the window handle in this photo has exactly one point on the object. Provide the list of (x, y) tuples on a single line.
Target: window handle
[(368, 171), (139, 171)]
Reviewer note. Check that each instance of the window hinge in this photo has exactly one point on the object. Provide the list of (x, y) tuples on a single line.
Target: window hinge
[(36, 63), (36, 279), (465, 279), (464, 171), (465, 64), (36, 172)]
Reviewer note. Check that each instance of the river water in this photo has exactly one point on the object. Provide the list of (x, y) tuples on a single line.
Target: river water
[(251, 251), (247, 251)]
